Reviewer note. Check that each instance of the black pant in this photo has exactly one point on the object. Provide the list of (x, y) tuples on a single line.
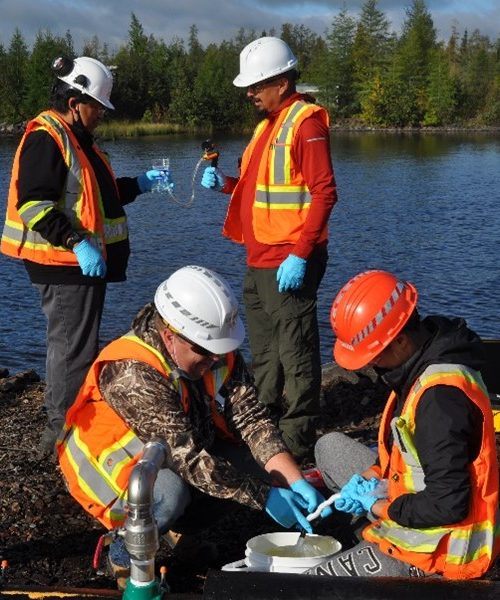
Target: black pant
[(73, 318)]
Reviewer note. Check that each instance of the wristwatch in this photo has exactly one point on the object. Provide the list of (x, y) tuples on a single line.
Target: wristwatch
[(73, 239)]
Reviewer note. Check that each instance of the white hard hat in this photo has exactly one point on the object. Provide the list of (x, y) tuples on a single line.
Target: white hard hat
[(90, 77), (200, 305), (262, 59)]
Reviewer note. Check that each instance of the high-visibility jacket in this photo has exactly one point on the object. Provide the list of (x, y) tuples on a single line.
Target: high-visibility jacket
[(282, 198), (461, 550), (81, 202), (97, 449)]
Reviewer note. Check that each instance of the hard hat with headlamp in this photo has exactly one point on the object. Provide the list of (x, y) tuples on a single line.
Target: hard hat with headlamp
[(86, 75), (199, 304), (367, 314)]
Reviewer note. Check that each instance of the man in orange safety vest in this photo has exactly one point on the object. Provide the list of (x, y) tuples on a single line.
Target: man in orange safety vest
[(431, 490)]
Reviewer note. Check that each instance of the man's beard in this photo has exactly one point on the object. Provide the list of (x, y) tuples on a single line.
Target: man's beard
[(260, 113)]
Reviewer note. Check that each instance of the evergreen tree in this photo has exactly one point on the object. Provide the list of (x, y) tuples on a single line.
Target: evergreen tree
[(15, 78), (413, 59), (371, 44), (244, 37), (4, 92), (360, 67), (219, 105), (337, 78), (181, 108), (305, 44), (93, 48), (40, 77), (159, 87), (131, 87), (195, 50), (443, 90), (477, 74)]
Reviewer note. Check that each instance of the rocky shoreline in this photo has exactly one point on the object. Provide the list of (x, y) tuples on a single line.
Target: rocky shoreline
[(17, 129), (48, 540)]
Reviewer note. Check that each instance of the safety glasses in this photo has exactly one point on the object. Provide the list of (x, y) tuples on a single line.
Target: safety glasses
[(195, 348), (257, 88), (192, 346)]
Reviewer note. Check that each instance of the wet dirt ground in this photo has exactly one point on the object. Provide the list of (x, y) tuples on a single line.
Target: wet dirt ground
[(47, 538)]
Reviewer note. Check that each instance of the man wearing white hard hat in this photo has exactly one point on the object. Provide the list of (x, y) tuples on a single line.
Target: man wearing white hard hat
[(65, 220), (279, 209), (177, 376)]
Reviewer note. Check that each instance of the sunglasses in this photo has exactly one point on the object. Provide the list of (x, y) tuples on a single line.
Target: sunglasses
[(193, 347), (257, 88)]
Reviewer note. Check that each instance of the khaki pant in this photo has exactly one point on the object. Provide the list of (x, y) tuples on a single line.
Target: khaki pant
[(284, 342)]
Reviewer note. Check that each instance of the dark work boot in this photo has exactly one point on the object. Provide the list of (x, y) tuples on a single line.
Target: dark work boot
[(47, 446)]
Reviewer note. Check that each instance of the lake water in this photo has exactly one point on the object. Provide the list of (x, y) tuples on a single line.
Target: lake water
[(425, 206)]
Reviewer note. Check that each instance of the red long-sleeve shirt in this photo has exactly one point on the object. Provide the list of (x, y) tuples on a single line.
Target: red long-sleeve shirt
[(311, 150)]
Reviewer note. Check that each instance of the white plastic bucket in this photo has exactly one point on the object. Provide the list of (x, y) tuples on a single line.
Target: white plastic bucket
[(259, 553)]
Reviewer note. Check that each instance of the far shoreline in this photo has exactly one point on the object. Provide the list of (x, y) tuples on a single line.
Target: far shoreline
[(128, 129)]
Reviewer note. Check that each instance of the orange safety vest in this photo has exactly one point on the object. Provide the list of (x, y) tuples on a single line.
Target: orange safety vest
[(81, 202), (98, 450), (462, 550), (282, 198)]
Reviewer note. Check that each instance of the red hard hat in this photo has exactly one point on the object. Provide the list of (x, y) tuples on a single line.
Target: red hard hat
[(367, 314)]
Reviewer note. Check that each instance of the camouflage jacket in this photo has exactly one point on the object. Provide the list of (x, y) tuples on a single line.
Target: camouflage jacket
[(150, 404)]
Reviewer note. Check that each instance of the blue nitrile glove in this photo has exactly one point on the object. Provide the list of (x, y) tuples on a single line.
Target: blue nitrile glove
[(290, 275), (90, 259), (349, 505), (366, 493), (358, 495), (285, 507), (311, 495), (348, 501), (354, 483), (146, 181), (213, 179)]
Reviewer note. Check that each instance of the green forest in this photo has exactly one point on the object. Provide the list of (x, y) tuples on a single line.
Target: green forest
[(365, 74)]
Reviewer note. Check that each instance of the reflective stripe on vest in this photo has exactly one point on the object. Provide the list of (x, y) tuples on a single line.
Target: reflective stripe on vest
[(463, 546), (414, 475), (98, 477), (470, 544), (278, 192), (32, 212)]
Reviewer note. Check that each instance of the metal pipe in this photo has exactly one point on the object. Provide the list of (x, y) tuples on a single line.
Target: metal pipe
[(271, 586), (141, 533)]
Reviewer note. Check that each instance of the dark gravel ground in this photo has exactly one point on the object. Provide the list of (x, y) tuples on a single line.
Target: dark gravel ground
[(48, 540)]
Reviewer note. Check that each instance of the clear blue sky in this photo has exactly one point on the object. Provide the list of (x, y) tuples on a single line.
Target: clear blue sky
[(220, 19)]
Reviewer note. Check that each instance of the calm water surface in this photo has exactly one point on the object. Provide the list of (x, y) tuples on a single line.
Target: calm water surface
[(425, 206)]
